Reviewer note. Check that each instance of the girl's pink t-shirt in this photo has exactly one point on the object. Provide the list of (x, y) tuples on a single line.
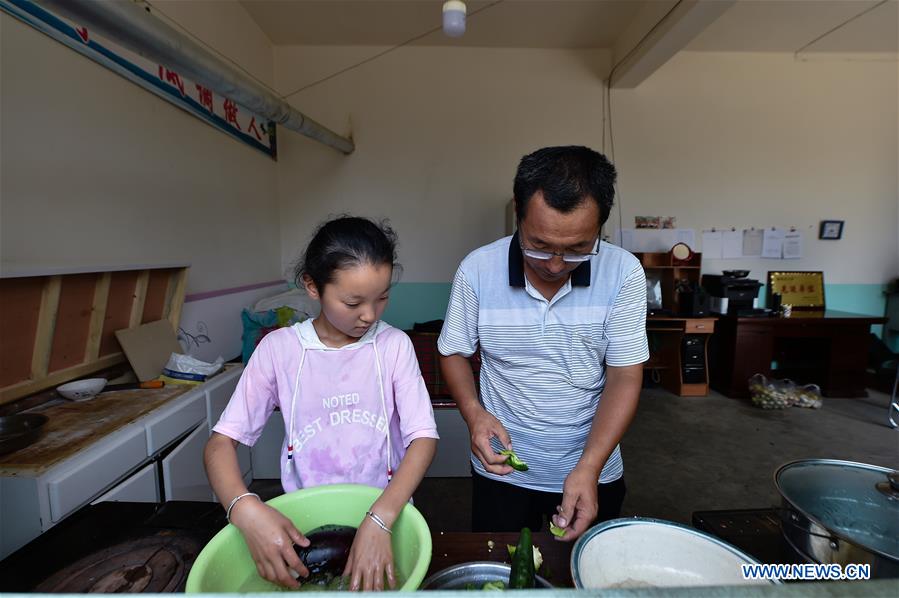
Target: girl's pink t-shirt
[(340, 427)]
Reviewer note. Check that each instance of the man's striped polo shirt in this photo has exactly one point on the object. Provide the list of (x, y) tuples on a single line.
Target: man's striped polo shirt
[(543, 362)]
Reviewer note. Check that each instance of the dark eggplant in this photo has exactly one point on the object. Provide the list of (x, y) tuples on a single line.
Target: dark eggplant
[(328, 551)]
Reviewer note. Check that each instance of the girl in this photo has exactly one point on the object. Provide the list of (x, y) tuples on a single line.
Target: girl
[(354, 403)]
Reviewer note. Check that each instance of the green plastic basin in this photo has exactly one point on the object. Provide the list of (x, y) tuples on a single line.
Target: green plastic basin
[(225, 564)]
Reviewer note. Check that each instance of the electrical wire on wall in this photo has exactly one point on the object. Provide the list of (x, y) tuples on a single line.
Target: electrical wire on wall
[(607, 109), (797, 55), (387, 51), (153, 8)]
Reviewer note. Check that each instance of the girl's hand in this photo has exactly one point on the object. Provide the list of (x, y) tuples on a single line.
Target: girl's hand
[(270, 536), (371, 559)]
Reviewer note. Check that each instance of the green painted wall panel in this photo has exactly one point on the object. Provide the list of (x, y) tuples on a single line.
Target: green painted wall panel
[(412, 302)]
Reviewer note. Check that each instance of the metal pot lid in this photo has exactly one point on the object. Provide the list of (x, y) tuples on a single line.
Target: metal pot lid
[(856, 501)]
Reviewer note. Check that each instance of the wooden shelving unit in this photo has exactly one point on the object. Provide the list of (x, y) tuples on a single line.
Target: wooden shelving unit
[(668, 332), (61, 326), (668, 357), (669, 271)]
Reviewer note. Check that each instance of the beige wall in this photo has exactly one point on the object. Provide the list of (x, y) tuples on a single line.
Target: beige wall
[(225, 27), (713, 139), (721, 140), (96, 171), (438, 131)]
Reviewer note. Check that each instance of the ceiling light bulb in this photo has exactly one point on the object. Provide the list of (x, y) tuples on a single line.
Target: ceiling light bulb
[(454, 18)]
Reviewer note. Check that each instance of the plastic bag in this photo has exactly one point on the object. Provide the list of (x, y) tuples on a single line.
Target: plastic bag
[(808, 396), (771, 393), (184, 369)]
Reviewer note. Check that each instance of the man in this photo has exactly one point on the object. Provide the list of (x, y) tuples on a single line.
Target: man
[(560, 319)]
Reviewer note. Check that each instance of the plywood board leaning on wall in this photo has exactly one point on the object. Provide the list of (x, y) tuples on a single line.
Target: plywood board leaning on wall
[(57, 327)]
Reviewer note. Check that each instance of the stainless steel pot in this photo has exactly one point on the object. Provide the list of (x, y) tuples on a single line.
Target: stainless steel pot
[(475, 573), (18, 431), (840, 512)]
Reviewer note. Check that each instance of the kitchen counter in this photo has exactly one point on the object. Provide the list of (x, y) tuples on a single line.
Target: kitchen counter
[(135, 445), (75, 425)]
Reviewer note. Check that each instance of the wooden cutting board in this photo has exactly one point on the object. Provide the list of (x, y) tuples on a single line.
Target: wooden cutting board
[(148, 347), (73, 426)]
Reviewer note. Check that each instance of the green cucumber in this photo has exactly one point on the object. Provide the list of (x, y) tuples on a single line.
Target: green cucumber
[(513, 461), (522, 576)]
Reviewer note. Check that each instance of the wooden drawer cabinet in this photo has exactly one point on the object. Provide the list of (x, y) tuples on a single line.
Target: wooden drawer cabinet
[(699, 326)]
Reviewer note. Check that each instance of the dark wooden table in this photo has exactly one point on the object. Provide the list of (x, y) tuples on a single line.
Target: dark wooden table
[(452, 548), (828, 348)]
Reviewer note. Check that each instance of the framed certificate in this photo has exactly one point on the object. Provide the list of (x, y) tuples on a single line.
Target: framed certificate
[(802, 290), (831, 229)]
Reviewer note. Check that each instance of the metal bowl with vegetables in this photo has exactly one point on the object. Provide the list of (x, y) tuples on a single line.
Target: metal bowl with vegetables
[(520, 575), (475, 575)]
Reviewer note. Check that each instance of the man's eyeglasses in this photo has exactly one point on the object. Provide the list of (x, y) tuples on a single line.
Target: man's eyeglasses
[(571, 258)]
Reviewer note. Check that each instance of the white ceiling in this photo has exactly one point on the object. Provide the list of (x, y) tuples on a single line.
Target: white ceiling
[(788, 25), (747, 25)]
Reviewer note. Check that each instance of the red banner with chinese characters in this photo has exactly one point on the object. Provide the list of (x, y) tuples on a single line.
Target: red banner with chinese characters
[(216, 110)]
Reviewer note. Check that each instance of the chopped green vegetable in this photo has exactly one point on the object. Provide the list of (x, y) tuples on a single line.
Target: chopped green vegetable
[(523, 571), (556, 530), (513, 460), (538, 556), (494, 585)]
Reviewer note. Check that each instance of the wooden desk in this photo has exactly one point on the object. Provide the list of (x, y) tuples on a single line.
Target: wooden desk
[(667, 354), (452, 548), (829, 349)]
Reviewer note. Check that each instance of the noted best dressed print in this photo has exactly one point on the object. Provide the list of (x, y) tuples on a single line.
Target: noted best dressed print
[(340, 413), (323, 443)]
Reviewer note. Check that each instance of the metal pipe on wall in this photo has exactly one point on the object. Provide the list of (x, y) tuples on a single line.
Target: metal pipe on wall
[(131, 26)]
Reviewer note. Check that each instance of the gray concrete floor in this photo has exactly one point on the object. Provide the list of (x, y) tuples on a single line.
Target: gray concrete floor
[(686, 454)]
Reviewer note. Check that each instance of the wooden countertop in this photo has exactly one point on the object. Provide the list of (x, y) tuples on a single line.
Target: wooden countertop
[(453, 548), (73, 426)]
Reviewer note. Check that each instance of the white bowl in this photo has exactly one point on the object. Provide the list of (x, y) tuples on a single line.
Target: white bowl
[(81, 390), (641, 552)]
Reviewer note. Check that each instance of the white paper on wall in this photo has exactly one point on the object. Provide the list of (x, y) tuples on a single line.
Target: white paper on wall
[(752, 242), (792, 245), (626, 239), (648, 240), (772, 243), (688, 236), (732, 244), (712, 245)]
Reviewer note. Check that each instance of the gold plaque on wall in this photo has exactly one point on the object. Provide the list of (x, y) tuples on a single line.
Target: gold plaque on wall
[(802, 290)]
